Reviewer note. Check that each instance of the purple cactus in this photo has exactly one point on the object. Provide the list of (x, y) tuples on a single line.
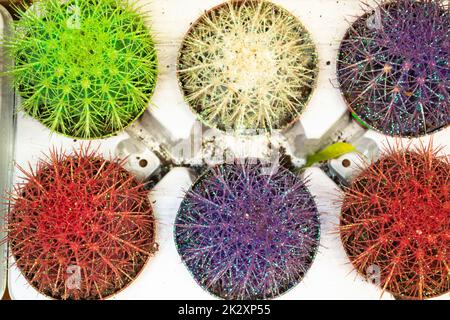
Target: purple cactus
[(245, 233), (393, 67)]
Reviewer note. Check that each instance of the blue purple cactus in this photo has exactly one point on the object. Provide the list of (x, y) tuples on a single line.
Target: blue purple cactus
[(246, 232), (393, 67)]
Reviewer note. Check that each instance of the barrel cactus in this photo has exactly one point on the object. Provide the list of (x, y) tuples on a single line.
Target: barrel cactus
[(247, 232), (395, 223), (85, 69), (80, 226), (393, 67), (247, 65)]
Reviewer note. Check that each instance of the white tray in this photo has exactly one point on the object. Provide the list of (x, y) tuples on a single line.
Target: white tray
[(6, 145), (165, 277)]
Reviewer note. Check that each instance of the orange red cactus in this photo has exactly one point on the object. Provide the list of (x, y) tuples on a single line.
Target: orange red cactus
[(80, 227), (396, 218)]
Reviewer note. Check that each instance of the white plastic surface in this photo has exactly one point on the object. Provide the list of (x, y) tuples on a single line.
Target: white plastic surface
[(6, 147), (3, 251), (165, 277)]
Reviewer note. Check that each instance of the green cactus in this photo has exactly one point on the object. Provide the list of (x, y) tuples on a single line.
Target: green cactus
[(248, 65), (85, 69)]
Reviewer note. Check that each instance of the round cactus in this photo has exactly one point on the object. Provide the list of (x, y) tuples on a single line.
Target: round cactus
[(394, 70), (85, 69), (80, 227), (247, 65), (245, 233), (395, 223)]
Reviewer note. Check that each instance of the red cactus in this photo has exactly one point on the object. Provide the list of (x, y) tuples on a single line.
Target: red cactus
[(81, 227), (396, 218)]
